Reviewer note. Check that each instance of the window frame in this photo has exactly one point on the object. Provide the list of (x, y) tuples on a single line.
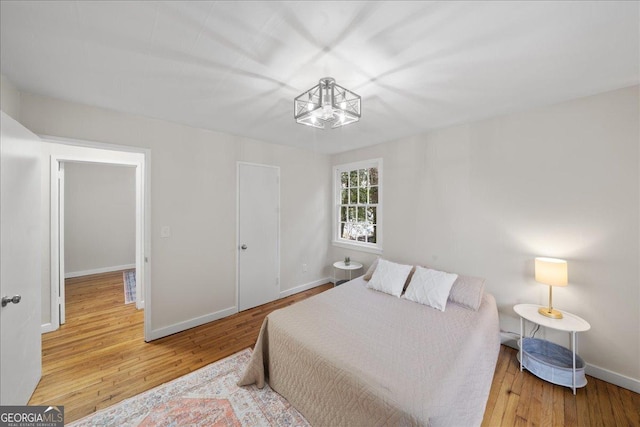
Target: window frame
[(337, 240)]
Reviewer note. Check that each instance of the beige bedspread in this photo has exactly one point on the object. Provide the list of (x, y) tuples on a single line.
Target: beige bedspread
[(352, 356)]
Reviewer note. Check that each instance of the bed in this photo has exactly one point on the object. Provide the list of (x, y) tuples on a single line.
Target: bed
[(354, 356)]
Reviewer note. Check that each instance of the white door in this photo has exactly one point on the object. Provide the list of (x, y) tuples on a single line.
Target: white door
[(20, 262), (258, 234)]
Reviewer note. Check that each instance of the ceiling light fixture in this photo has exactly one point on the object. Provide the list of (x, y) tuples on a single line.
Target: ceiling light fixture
[(327, 105)]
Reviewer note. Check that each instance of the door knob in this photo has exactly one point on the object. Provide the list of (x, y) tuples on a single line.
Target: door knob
[(6, 300), (243, 247)]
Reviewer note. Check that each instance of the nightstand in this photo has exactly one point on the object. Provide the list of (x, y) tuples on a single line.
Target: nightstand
[(548, 360), (340, 265)]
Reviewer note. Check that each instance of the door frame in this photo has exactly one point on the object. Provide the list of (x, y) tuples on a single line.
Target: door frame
[(238, 243), (68, 150)]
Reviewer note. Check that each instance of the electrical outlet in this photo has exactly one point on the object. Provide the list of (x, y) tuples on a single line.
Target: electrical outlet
[(304, 268), (165, 231)]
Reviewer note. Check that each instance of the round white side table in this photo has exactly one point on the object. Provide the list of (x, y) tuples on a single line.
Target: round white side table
[(340, 265)]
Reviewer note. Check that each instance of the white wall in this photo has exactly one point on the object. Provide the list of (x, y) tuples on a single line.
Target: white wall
[(485, 198), (9, 98), (193, 190), (99, 217)]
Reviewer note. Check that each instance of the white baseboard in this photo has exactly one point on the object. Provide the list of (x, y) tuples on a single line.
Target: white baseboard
[(305, 287), (47, 327), (192, 323), (71, 274), (613, 377), (595, 371)]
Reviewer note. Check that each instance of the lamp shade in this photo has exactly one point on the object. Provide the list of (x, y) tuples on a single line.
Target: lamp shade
[(551, 271)]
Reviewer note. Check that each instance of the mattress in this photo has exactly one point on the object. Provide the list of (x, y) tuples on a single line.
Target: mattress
[(354, 356)]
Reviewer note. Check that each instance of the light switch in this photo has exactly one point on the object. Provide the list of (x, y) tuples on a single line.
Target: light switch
[(165, 231)]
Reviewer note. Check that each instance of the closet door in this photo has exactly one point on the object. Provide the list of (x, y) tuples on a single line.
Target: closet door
[(258, 234)]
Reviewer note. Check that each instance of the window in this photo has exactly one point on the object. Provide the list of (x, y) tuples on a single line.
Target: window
[(358, 198)]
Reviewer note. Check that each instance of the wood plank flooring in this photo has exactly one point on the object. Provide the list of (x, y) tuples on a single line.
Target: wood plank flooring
[(521, 399), (99, 358)]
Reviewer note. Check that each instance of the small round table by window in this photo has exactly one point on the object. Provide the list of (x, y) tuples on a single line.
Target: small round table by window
[(340, 265)]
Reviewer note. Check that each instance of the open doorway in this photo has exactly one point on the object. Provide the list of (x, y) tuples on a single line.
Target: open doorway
[(99, 225), (64, 154)]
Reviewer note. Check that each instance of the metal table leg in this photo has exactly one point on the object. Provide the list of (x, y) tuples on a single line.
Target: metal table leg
[(573, 350), (521, 341)]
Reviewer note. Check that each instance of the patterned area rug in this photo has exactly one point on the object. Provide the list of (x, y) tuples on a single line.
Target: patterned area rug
[(206, 397), (129, 286)]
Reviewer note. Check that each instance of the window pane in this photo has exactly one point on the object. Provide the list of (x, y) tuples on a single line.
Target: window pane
[(373, 176), (371, 238), (362, 193), (361, 213), (373, 195), (343, 213), (344, 179), (343, 231), (366, 230), (352, 214), (353, 182), (344, 197), (348, 230), (364, 177), (353, 196), (372, 215)]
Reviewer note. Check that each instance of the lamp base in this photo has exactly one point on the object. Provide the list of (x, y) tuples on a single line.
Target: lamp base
[(550, 312)]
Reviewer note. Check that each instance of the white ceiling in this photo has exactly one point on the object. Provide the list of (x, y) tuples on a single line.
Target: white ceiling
[(236, 66)]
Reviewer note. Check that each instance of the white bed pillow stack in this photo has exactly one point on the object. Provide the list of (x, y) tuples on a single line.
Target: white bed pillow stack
[(430, 287), (466, 291), (389, 277)]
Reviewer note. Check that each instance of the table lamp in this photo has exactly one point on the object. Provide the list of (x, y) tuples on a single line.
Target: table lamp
[(552, 272)]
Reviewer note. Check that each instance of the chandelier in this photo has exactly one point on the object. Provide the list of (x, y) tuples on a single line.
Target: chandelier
[(327, 105)]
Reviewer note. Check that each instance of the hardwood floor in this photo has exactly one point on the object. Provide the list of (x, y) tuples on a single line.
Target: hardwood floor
[(521, 399), (99, 358)]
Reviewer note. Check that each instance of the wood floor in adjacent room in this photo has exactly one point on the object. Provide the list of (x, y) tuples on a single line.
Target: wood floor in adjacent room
[(99, 358)]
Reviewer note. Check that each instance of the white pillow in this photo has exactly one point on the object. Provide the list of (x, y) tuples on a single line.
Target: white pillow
[(468, 292), (430, 287), (389, 277)]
